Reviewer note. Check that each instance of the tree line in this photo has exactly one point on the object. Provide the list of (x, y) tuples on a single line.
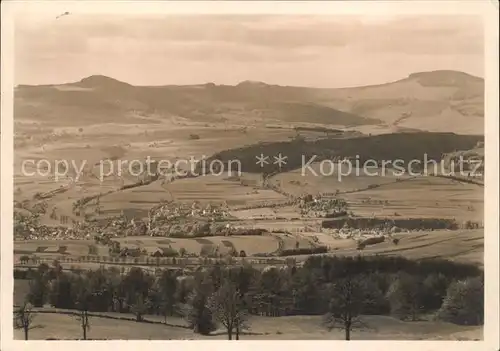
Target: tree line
[(341, 289)]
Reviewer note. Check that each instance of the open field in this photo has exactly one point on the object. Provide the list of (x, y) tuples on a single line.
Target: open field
[(169, 140), (283, 212), (421, 197), (55, 249), (250, 244), (390, 196), (325, 179), (462, 245), (62, 326), (210, 189), (220, 189)]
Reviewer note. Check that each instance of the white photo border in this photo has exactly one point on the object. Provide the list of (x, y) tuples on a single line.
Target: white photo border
[(488, 9)]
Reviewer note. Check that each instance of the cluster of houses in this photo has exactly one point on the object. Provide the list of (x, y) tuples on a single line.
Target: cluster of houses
[(158, 220), (347, 232), (43, 232), (173, 211), (317, 206)]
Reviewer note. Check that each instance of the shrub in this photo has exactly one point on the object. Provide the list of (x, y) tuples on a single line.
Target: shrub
[(304, 251), (24, 259), (169, 252), (39, 290), (471, 225), (208, 250), (20, 274), (464, 302), (233, 252), (375, 302), (434, 291), (336, 214), (405, 296), (93, 250), (197, 314), (249, 231), (395, 229), (402, 223), (372, 241)]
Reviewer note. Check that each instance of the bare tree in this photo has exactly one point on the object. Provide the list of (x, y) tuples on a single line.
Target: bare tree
[(82, 315), (83, 318), (23, 318), (228, 309), (347, 301)]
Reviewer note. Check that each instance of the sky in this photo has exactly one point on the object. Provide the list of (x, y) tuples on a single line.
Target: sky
[(317, 51)]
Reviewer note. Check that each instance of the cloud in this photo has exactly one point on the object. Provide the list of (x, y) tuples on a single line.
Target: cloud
[(251, 30), (433, 35), (271, 31), (97, 41)]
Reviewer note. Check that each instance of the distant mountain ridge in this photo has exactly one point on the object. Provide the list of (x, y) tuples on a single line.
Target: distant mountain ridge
[(445, 101), (96, 81), (443, 75)]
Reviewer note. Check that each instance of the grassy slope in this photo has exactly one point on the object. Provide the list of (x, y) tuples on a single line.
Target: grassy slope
[(264, 328)]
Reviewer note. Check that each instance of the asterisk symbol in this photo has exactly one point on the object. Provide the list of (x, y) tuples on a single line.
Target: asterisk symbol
[(280, 160), (262, 160)]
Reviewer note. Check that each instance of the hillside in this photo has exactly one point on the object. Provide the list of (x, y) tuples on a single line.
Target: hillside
[(397, 146), (435, 101)]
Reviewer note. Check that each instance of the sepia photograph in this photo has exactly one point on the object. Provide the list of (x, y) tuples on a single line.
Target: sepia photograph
[(247, 176)]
